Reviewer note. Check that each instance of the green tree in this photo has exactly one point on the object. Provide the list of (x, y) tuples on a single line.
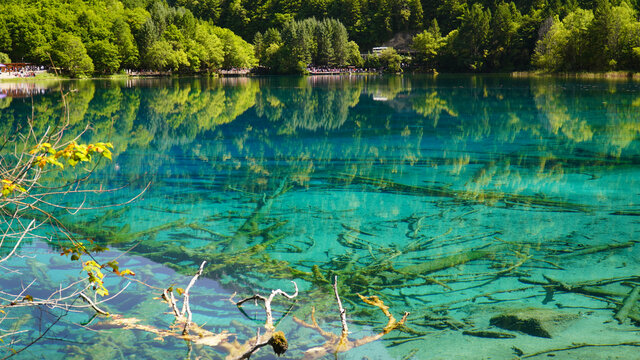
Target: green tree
[(272, 36), (471, 42), (105, 56), (69, 53), (564, 45), (505, 24), (147, 35), (339, 42), (5, 36), (273, 58), (391, 60), (124, 40), (92, 26), (4, 58), (258, 45), (28, 41), (204, 9), (427, 45), (211, 54), (612, 35), (136, 17), (237, 52), (354, 57), (450, 14), (305, 42), (348, 12), (323, 38), (296, 40), (235, 16)]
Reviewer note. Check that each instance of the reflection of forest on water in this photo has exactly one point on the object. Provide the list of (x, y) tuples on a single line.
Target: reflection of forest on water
[(248, 123)]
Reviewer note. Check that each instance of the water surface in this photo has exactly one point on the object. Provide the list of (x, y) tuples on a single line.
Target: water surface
[(371, 179)]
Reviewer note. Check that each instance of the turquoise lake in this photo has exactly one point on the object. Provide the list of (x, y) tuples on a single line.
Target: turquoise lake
[(456, 198)]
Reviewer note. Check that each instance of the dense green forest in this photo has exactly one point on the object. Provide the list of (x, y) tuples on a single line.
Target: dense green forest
[(107, 36), (104, 36)]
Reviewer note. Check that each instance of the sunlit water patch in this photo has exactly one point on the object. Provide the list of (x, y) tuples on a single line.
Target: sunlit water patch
[(456, 198)]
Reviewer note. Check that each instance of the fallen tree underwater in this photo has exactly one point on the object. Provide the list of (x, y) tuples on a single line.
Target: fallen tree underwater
[(373, 268)]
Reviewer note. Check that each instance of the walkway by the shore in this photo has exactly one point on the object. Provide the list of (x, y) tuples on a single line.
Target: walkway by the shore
[(19, 75)]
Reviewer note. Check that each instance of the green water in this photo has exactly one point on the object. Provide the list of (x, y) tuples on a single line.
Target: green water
[(371, 179)]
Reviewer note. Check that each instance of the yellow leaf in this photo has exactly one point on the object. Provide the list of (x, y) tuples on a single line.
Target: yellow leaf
[(127, 272)]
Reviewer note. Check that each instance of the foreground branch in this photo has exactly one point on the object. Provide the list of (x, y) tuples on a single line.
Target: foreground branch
[(336, 344), (276, 339)]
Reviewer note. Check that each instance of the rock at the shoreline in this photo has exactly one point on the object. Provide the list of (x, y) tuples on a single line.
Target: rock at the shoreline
[(535, 322)]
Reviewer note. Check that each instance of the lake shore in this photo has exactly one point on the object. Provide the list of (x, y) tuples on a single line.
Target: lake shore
[(46, 76), (613, 75)]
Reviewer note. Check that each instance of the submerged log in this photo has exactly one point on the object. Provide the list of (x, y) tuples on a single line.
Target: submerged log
[(249, 229), (598, 248), (452, 260), (587, 288), (485, 197), (488, 334), (627, 305)]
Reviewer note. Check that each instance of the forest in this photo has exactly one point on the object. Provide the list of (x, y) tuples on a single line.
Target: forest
[(287, 36)]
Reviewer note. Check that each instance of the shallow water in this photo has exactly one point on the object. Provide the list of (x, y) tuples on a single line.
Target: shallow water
[(375, 180)]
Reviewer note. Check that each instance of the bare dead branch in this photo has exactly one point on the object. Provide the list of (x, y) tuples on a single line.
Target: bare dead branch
[(93, 305), (267, 303), (343, 312), (336, 344), (186, 308), (15, 247)]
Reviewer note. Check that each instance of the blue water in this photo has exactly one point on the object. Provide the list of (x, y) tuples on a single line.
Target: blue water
[(366, 178)]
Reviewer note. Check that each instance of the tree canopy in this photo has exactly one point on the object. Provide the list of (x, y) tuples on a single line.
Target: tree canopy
[(107, 36), (299, 44)]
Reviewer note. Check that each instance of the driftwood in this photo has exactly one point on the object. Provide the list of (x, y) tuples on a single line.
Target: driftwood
[(452, 260), (595, 290), (200, 336), (276, 339), (488, 198), (597, 249), (249, 228), (183, 327), (578, 346), (627, 305), (488, 334), (335, 344)]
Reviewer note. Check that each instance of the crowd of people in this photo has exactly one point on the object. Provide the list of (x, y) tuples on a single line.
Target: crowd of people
[(12, 70), (323, 70)]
